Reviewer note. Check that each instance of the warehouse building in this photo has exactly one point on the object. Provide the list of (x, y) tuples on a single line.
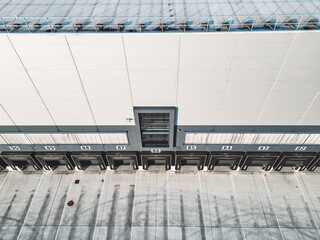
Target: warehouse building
[(169, 119)]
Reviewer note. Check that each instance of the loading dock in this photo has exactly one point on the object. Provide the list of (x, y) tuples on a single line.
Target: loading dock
[(21, 160), (229, 159), (52, 160), (83, 160)]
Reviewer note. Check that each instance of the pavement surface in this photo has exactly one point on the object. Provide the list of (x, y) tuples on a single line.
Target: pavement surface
[(159, 204)]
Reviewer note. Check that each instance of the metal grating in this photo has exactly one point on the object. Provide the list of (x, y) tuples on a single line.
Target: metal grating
[(64, 138), (41, 138), (269, 138), (2, 141), (313, 139), (88, 138), (219, 138), (16, 138), (251, 138), (114, 138)]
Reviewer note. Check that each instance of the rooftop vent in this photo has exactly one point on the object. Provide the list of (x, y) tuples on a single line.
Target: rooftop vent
[(291, 23), (78, 27), (204, 26), (269, 25), (141, 26), (312, 24), (15, 26), (183, 26), (36, 26), (120, 27), (99, 26), (225, 26), (57, 26), (162, 27), (247, 25)]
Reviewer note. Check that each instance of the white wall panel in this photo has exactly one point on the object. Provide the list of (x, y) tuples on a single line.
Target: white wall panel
[(203, 70), (110, 101), (4, 118), (266, 49), (257, 75), (248, 86), (302, 62), (307, 37), (51, 54), (196, 108), (203, 75), (245, 96), (260, 62), (204, 63), (152, 76), (282, 113), (266, 37), (218, 78), (17, 94), (237, 112), (292, 97), (154, 93), (99, 64), (311, 116), (156, 58), (201, 39), (299, 75), (207, 50), (301, 86), (302, 48)]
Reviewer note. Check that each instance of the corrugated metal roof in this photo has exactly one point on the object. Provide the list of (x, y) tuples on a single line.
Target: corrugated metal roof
[(182, 15)]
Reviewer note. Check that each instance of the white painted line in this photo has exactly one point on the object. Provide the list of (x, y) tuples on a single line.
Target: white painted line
[(276, 80), (265, 183), (30, 206), (178, 70), (202, 206), (235, 196), (168, 217), (64, 206), (305, 199), (3, 181), (134, 200), (208, 202), (101, 194)]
